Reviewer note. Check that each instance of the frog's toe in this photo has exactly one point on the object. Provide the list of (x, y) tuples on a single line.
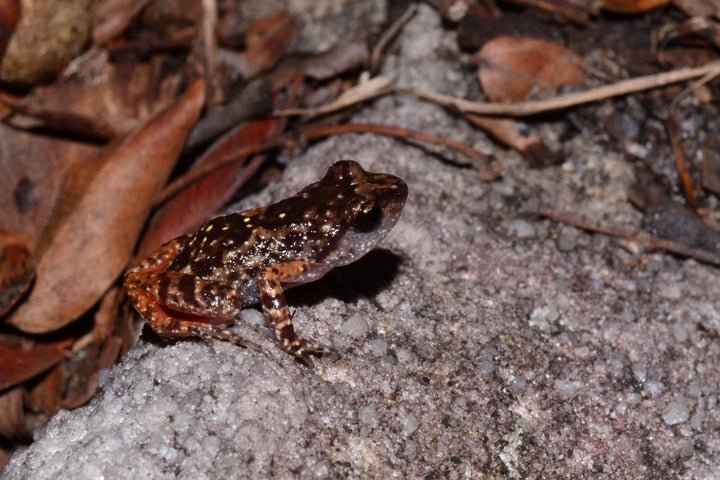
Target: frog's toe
[(309, 351), (208, 333)]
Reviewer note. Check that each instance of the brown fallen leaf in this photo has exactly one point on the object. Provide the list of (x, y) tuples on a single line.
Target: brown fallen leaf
[(25, 359), (93, 245), (511, 68)]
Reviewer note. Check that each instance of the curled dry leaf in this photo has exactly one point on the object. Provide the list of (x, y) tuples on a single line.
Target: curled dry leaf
[(92, 246), (513, 67)]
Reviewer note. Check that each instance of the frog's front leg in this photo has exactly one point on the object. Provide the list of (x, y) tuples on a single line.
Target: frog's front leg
[(177, 305), (276, 311)]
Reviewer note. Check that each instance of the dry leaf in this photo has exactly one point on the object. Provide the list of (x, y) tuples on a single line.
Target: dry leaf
[(94, 244), (18, 364), (513, 67)]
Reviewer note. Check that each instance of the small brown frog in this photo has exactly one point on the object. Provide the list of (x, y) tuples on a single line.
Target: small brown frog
[(197, 284)]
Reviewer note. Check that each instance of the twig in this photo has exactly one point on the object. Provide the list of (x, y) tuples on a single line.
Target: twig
[(209, 26), (647, 241), (389, 35), (486, 171), (481, 160), (534, 107), (362, 92), (680, 163)]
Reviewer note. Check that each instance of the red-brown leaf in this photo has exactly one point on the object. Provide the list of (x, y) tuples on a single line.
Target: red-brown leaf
[(93, 245), (18, 364), (512, 67)]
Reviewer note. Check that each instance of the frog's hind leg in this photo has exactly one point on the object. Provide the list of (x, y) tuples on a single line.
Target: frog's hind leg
[(190, 306), (276, 311)]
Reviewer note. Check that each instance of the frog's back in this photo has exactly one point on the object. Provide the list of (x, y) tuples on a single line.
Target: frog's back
[(329, 223)]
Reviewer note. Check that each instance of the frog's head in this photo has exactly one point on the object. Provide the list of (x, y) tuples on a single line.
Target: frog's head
[(366, 205)]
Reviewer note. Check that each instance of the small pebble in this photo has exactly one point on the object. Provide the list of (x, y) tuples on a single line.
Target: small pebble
[(355, 326), (520, 229), (378, 347), (676, 413), (566, 242)]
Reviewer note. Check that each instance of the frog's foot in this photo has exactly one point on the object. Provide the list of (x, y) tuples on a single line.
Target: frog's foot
[(307, 352), (208, 333)]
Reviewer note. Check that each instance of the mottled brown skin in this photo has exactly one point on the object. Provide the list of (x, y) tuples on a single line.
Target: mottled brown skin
[(197, 284)]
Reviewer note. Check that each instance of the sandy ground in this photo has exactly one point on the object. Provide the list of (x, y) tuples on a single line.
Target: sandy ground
[(479, 341)]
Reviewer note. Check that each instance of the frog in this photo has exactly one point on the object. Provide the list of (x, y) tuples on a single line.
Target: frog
[(196, 284)]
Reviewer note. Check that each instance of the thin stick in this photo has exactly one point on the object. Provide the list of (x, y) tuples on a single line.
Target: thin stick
[(389, 35), (680, 163), (397, 132), (534, 107), (648, 242), (209, 26), (481, 161)]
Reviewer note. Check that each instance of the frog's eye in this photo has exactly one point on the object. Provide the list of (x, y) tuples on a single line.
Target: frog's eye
[(368, 217)]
